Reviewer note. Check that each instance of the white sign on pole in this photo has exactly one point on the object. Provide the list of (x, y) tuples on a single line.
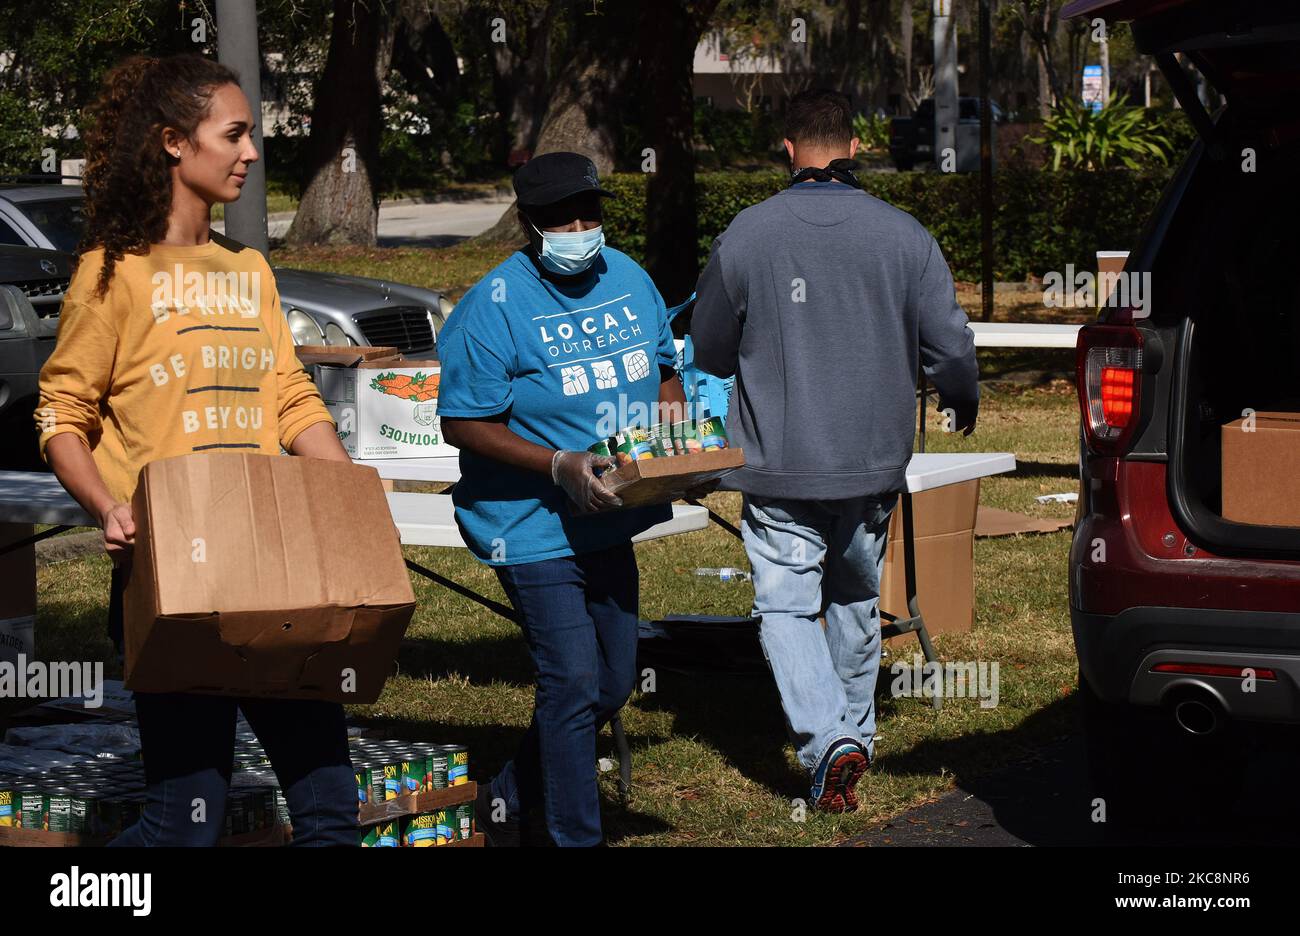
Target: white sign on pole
[(1092, 87)]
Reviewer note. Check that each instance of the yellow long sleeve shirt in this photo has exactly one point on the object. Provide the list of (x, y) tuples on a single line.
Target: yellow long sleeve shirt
[(187, 351)]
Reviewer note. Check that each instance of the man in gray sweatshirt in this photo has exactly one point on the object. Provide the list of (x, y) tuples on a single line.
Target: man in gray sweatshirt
[(822, 301)]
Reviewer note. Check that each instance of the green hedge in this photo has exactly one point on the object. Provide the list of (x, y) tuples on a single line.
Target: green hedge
[(1042, 221)]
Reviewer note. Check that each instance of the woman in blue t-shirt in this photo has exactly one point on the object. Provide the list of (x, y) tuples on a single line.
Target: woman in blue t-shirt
[(563, 344)]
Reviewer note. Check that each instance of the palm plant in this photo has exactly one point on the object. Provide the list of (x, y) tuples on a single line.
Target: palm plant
[(1116, 135)]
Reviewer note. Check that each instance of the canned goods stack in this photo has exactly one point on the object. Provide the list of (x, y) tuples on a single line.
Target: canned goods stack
[(682, 438), (100, 799), (387, 769)]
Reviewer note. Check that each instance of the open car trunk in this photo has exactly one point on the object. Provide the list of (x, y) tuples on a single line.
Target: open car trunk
[(1237, 348), (1226, 267)]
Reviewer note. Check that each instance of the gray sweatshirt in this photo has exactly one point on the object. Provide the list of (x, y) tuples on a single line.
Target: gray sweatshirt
[(821, 300)]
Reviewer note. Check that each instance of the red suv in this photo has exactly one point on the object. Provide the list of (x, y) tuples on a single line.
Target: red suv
[(1186, 624)]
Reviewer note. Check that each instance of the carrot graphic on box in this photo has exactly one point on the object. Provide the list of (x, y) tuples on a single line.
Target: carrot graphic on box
[(403, 386)]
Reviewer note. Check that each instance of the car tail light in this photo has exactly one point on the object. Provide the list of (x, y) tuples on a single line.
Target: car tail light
[(1212, 669), (1109, 364)]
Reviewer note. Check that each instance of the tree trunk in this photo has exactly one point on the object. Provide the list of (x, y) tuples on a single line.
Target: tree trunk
[(585, 104), (906, 40), (340, 204), (667, 54), (521, 76)]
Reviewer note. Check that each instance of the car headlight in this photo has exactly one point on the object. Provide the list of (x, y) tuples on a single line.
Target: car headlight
[(445, 308), (334, 335), (304, 328)]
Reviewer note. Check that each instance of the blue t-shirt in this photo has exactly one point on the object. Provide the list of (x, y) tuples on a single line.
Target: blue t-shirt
[(571, 364)]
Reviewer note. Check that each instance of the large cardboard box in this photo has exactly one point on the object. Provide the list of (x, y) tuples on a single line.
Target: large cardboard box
[(18, 596), (385, 408), (943, 524), (1260, 483), (264, 575)]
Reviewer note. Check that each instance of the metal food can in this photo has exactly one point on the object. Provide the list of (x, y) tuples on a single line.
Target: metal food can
[(364, 781), (392, 779), (457, 764), (438, 769), (465, 821), (631, 445), (108, 816), (33, 809), (370, 837), (7, 808), (712, 434), (420, 831), (281, 808), (426, 758), (261, 810), (685, 437), (387, 834), (660, 442), (59, 816), (236, 815), (412, 775), (81, 811), (601, 448)]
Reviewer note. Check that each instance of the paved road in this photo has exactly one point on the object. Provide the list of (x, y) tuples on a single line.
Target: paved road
[(1044, 800), (417, 224)]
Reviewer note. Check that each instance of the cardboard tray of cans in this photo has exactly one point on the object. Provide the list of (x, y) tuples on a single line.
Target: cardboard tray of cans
[(664, 480), (413, 804)]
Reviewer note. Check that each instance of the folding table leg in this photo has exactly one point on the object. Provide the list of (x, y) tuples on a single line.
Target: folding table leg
[(909, 581), (624, 758)]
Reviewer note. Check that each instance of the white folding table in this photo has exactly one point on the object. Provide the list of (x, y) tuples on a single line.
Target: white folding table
[(926, 471), (1025, 334)]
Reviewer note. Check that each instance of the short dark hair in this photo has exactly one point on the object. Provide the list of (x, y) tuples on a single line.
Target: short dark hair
[(819, 117)]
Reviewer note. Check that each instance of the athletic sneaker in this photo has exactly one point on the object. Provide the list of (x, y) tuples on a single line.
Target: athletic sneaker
[(837, 775)]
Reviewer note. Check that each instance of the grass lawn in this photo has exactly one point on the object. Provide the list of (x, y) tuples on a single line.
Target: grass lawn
[(711, 764)]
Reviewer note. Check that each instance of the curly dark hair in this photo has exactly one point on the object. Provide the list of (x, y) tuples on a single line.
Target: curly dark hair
[(128, 185)]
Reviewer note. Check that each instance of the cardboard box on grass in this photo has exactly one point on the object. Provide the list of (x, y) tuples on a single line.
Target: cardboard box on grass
[(664, 480), (943, 526), (1260, 483), (385, 407), (264, 575)]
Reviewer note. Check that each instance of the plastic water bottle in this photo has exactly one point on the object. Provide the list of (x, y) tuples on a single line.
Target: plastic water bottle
[(725, 575)]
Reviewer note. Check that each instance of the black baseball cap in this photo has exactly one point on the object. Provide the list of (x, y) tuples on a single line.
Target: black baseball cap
[(550, 177)]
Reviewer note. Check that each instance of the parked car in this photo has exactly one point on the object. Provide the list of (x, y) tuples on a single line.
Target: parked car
[(40, 227), (32, 283), (1186, 624), (322, 308), (911, 139)]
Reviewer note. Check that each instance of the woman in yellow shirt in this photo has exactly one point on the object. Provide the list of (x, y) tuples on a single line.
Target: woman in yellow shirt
[(171, 341)]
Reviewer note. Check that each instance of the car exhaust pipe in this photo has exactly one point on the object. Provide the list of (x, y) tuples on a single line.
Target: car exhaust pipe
[(1197, 711)]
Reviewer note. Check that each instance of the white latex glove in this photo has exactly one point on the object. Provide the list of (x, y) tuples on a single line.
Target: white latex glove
[(573, 471)]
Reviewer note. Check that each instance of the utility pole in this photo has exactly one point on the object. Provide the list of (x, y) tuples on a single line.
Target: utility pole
[(945, 82), (986, 163), (1104, 53), (237, 48)]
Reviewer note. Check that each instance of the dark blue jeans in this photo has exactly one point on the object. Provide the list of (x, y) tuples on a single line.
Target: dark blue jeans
[(188, 744), (579, 616)]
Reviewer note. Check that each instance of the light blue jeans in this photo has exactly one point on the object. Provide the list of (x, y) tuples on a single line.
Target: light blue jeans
[(812, 559)]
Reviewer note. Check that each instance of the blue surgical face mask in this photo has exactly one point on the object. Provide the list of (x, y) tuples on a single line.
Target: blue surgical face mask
[(570, 252)]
